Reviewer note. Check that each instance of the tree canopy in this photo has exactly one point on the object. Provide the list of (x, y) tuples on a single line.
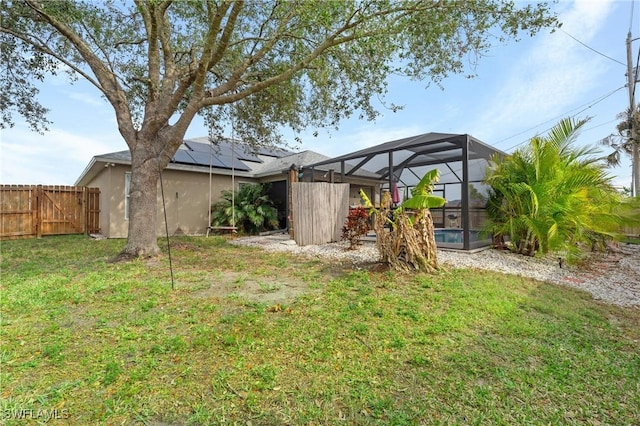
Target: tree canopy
[(269, 64)]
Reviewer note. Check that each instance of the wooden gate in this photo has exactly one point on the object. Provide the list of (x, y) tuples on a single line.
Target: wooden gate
[(36, 210), (319, 211)]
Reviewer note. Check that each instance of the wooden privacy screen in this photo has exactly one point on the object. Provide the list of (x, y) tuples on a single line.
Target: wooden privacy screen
[(319, 211), (36, 210)]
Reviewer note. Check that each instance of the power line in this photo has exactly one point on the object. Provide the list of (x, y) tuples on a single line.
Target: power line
[(599, 125), (592, 49), (590, 103), (598, 100)]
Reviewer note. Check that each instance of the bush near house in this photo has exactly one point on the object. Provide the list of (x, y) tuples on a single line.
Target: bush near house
[(250, 209), (553, 196)]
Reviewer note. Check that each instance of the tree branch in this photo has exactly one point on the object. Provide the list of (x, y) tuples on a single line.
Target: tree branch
[(222, 95), (153, 59), (236, 76), (208, 58), (130, 42), (108, 83), (41, 46)]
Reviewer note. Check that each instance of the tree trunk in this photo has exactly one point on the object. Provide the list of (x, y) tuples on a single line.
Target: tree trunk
[(142, 240)]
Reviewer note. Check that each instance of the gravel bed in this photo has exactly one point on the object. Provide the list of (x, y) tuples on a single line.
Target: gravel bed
[(612, 277)]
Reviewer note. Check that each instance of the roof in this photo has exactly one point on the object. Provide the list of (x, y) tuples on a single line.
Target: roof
[(223, 156), (284, 163)]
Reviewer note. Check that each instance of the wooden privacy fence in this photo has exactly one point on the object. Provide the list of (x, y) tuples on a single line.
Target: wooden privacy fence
[(319, 211), (631, 231), (28, 211)]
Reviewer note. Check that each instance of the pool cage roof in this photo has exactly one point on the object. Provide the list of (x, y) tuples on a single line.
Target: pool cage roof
[(461, 159)]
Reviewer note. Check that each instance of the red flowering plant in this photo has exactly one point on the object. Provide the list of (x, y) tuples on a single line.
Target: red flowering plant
[(356, 225)]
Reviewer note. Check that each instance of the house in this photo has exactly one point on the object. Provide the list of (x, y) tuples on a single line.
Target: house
[(200, 171)]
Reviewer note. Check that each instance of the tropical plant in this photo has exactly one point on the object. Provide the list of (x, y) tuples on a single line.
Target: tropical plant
[(355, 226), (267, 64), (410, 243), (249, 209), (622, 142), (554, 196)]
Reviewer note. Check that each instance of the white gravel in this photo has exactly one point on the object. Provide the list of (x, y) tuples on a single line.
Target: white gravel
[(613, 277)]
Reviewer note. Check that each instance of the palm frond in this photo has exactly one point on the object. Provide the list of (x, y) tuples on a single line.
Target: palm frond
[(551, 195)]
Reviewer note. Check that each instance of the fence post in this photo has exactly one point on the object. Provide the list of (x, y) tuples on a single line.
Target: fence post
[(38, 209), (85, 214), (292, 177)]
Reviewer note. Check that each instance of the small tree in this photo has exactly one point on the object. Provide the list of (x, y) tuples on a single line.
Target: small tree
[(252, 211), (410, 243), (356, 225), (553, 196)]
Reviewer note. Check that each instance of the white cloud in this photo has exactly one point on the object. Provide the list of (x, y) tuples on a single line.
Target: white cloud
[(87, 98), (55, 158), (551, 77), (361, 137)]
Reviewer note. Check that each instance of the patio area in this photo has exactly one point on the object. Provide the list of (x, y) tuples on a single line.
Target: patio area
[(461, 160)]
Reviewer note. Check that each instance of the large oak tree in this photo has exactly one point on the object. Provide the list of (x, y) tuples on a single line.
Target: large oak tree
[(277, 64)]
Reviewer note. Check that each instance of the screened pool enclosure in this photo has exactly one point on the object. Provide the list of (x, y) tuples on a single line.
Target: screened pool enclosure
[(461, 160)]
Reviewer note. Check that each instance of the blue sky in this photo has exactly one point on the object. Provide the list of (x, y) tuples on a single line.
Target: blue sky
[(521, 90)]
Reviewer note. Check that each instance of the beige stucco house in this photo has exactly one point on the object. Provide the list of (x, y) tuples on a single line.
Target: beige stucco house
[(197, 175)]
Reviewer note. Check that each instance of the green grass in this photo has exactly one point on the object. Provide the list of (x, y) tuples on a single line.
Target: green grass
[(631, 240), (106, 343)]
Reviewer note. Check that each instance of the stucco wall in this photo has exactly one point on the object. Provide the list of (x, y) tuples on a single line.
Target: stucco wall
[(186, 199), (111, 183)]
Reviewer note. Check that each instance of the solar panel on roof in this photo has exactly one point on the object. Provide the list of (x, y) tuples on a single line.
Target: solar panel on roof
[(242, 150), (182, 156), (216, 162), (237, 164), (202, 158), (197, 146), (272, 152), (248, 156)]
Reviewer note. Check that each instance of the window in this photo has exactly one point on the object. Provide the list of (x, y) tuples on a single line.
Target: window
[(127, 194)]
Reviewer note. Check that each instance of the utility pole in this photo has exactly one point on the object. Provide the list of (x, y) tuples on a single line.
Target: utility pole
[(634, 131)]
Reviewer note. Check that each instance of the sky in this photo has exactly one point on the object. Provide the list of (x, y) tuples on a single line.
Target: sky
[(521, 90)]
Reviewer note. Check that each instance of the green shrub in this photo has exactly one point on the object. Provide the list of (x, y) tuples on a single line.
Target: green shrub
[(553, 196), (252, 210)]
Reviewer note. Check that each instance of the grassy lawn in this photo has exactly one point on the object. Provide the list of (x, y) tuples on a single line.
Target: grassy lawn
[(632, 240), (92, 342)]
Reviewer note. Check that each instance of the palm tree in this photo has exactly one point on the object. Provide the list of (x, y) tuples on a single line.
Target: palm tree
[(553, 196), (622, 142)]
